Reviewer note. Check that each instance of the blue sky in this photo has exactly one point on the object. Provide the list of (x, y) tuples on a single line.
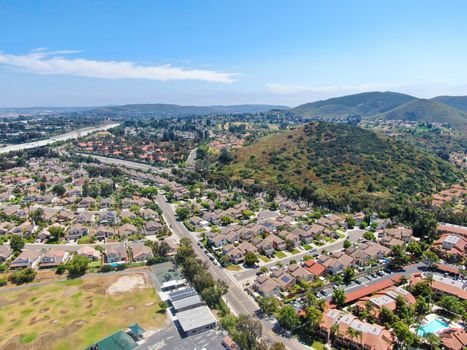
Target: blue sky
[(78, 53)]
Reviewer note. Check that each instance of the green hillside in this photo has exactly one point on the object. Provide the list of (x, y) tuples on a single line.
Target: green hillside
[(329, 159), (459, 102), (364, 104), (428, 111)]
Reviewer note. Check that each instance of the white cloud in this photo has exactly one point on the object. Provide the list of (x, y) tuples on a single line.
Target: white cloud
[(42, 61)]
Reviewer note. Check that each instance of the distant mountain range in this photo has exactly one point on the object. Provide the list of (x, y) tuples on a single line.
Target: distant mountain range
[(162, 109), (451, 110)]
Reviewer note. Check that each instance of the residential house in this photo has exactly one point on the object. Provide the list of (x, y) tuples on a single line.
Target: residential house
[(236, 255), (315, 268), (27, 258), (284, 279), (53, 257), (103, 232), (216, 240), (247, 247), (127, 230), (371, 336), (89, 252), (86, 202), (300, 273), (266, 287), (385, 298), (152, 227), (5, 253), (140, 252), (85, 217), (148, 214), (114, 254), (77, 231), (451, 247), (453, 339)]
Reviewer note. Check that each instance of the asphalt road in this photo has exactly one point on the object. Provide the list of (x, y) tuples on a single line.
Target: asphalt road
[(353, 236), (68, 136)]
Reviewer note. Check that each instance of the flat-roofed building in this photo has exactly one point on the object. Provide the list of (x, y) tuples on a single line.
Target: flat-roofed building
[(187, 303), (197, 320)]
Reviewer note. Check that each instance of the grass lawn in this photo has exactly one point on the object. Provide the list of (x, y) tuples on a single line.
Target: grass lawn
[(318, 345), (233, 268), (307, 246), (75, 313), (280, 255), (295, 251), (264, 258)]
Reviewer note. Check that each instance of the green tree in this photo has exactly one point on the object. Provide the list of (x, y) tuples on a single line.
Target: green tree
[(369, 236), (430, 258), (269, 305), (338, 297), (160, 249), (16, 243), (415, 249), (347, 244), (288, 318), (250, 259), (57, 232), (248, 332), (77, 266), (387, 317), (182, 213), (399, 257), (23, 276), (58, 190), (349, 275)]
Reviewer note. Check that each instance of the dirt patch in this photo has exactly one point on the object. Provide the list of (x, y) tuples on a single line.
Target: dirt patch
[(131, 308), (70, 291), (126, 284), (41, 311)]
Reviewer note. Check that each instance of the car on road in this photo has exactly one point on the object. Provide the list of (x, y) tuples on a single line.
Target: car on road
[(358, 282), (380, 273), (323, 292)]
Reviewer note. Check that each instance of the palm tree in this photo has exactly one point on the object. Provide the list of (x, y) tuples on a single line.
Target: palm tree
[(433, 340), (335, 331), (354, 333)]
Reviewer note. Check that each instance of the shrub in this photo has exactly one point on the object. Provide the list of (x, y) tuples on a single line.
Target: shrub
[(3, 282), (106, 268), (23, 276)]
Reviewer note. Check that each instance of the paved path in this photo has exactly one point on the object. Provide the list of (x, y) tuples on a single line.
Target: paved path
[(68, 136)]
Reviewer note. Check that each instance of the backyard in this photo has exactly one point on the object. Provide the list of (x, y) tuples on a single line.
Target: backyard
[(76, 313)]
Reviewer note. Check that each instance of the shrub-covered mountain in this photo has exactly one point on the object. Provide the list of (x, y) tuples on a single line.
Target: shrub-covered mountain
[(459, 102), (336, 164), (364, 104), (428, 111), (448, 110)]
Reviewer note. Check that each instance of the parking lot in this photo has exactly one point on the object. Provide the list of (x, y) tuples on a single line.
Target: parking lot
[(169, 339)]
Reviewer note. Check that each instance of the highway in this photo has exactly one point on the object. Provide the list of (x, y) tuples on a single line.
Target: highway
[(64, 137)]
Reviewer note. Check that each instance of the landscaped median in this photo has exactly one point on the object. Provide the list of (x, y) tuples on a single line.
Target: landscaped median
[(76, 313)]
